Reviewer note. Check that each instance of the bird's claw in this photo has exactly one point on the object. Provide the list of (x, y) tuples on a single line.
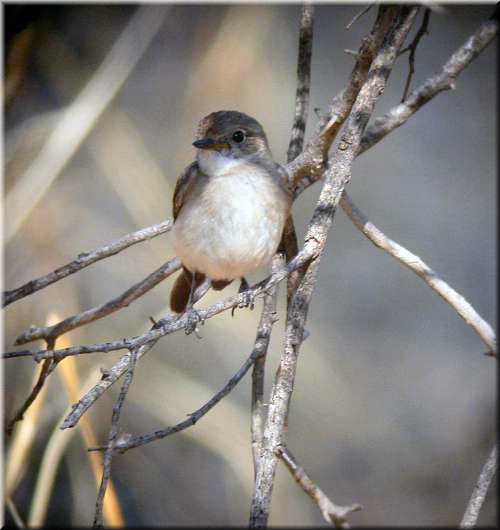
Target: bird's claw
[(193, 319)]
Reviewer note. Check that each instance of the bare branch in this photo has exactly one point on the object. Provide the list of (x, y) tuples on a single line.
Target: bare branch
[(303, 82), (332, 513), (357, 16), (336, 178), (412, 48), (85, 259), (471, 515), (443, 80), (415, 264), (113, 434), (102, 310)]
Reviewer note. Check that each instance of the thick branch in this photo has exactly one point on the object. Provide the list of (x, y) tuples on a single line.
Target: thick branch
[(102, 310), (333, 514), (336, 179), (415, 264), (85, 259), (476, 501)]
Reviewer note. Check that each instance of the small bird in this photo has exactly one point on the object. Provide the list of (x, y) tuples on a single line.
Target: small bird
[(230, 206)]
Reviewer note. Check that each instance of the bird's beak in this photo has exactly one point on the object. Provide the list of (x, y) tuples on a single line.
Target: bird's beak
[(208, 143)]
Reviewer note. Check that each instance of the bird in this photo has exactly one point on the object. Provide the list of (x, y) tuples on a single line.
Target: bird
[(230, 206)]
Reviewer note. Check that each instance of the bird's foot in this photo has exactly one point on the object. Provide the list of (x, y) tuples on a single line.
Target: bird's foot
[(193, 319), (248, 297)]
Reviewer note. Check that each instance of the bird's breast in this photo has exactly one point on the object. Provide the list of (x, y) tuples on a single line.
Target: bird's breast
[(231, 224)]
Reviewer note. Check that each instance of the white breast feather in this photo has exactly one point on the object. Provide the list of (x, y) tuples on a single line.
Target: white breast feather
[(227, 230)]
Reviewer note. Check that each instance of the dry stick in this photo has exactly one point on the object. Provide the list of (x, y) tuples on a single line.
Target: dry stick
[(267, 320), (357, 16), (85, 259), (86, 109), (102, 310), (443, 80), (47, 368), (113, 433), (14, 512), (415, 264), (261, 343), (332, 513), (424, 29), (173, 323), (469, 520), (336, 179)]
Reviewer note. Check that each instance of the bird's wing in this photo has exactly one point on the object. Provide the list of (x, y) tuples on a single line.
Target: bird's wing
[(182, 187)]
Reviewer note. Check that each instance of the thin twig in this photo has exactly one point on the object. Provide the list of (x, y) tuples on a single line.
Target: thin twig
[(131, 442), (85, 111), (357, 16), (85, 259), (415, 264), (336, 178), (173, 323), (113, 434), (412, 48), (443, 80), (47, 368), (267, 320), (333, 514), (102, 310), (303, 82), (471, 515)]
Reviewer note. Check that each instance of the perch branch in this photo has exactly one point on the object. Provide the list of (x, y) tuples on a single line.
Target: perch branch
[(336, 178), (102, 310), (415, 264), (476, 501), (333, 514), (85, 259)]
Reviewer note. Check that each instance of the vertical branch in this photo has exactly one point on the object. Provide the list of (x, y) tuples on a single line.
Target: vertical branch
[(113, 434), (336, 178)]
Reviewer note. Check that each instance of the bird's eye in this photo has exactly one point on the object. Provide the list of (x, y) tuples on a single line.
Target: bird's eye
[(238, 136)]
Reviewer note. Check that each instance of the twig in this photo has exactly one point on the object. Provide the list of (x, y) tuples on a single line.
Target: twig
[(66, 138), (113, 433), (102, 310), (424, 29), (267, 320), (85, 259), (260, 345), (336, 178), (173, 323), (443, 80), (469, 520), (46, 369), (303, 82), (357, 16), (415, 264), (332, 513)]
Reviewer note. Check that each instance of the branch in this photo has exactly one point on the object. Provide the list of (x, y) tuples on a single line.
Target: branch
[(412, 48), (85, 259), (415, 264), (303, 82), (443, 80), (469, 520), (102, 310), (336, 178), (113, 433), (332, 513)]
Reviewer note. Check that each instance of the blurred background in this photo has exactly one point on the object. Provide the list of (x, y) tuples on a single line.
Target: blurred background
[(394, 404)]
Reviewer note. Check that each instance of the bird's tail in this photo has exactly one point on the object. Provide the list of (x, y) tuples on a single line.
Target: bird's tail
[(179, 296)]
